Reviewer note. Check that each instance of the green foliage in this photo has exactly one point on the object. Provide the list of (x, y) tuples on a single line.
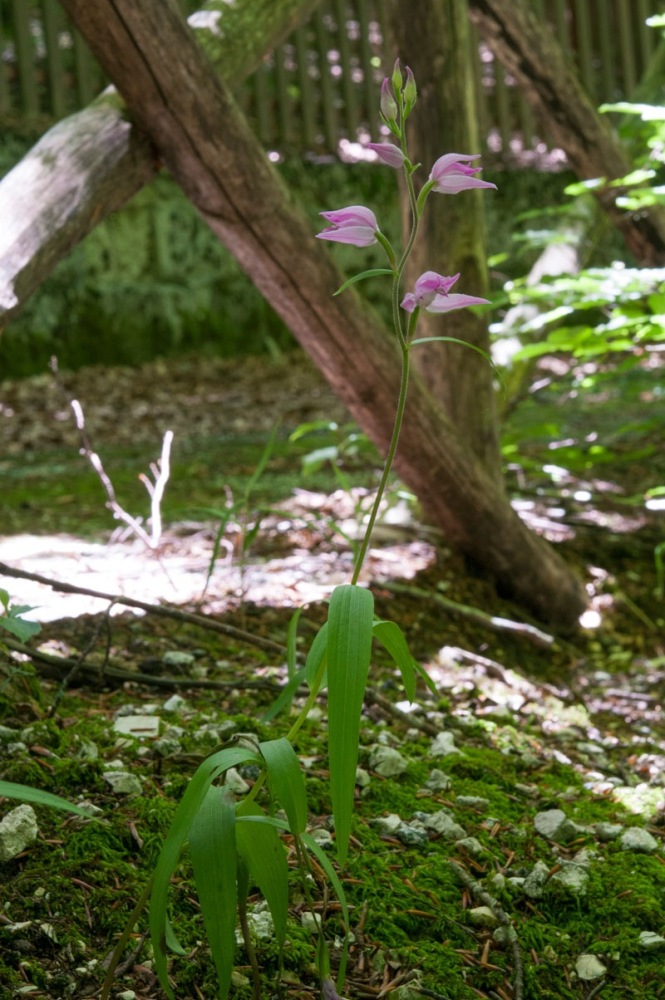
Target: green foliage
[(11, 619)]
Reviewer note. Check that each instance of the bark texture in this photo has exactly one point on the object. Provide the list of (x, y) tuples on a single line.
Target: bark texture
[(452, 237), (176, 98), (548, 78), (92, 163)]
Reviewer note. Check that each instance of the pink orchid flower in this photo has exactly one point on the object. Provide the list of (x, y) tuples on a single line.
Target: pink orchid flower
[(388, 152), (356, 225), (452, 174), (432, 293)]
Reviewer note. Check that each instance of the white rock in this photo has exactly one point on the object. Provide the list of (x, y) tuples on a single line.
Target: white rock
[(638, 840), (137, 725), (589, 967), (555, 825), (483, 916), (443, 745), (389, 824), (175, 703), (18, 829), (363, 779), (572, 877), (123, 783), (650, 941), (441, 822), (438, 781), (534, 883), (235, 781), (607, 831), (177, 658), (387, 762)]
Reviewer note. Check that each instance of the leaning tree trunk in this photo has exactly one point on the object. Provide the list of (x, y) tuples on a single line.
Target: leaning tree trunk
[(92, 163), (533, 55), (176, 98), (452, 236)]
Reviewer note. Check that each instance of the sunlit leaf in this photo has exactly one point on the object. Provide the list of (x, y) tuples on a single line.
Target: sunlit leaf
[(12, 790), (169, 855), (350, 620), (285, 781), (291, 643), (212, 843), (394, 641), (317, 653), (264, 857)]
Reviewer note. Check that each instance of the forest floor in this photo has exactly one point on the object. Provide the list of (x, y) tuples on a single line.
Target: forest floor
[(514, 845)]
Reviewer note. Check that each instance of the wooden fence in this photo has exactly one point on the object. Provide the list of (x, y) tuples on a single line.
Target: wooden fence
[(322, 84)]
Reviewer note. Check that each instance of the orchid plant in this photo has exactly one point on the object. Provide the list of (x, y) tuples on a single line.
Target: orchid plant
[(236, 843)]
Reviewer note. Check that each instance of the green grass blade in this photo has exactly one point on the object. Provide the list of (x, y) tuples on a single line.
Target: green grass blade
[(212, 843), (372, 273), (285, 697), (317, 652), (350, 621), (169, 855), (394, 642), (291, 643), (262, 854), (12, 790), (286, 781)]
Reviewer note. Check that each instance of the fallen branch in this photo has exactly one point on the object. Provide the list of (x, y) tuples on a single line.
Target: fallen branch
[(530, 632), (160, 610), (68, 666)]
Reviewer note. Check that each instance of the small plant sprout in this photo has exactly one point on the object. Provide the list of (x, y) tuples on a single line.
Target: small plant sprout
[(236, 844)]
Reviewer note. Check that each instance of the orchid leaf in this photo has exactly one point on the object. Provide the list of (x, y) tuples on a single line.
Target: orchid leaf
[(188, 807), (316, 655), (12, 790), (262, 854), (212, 842), (285, 697), (361, 277), (394, 641), (286, 781), (350, 620)]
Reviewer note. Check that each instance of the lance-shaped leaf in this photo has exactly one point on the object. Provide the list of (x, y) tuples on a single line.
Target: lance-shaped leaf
[(262, 854), (372, 273), (349, 647), (317, 652), (327, 866), (187, 809), (393, 640), (12, 790), (286, 781), (212, 843)]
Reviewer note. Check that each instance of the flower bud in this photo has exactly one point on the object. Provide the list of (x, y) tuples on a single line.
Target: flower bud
[(410, 92), (388, 102), (397, 79)]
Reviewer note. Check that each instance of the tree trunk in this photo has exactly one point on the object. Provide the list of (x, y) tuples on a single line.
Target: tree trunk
[(191, 118), (452, 236), (516, 35), (92, 163)]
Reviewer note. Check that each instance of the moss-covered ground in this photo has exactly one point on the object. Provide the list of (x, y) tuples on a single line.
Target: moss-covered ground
[(576, 726)]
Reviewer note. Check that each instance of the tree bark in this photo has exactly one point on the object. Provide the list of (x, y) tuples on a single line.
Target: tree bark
[(452, 237), (515, 33), (176, 98), (93, 162)]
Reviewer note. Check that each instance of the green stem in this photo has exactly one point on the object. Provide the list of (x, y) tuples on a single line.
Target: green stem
[(397, 426)]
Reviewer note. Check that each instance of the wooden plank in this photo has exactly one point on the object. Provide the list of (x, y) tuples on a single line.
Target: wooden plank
[(307, 115), (54, 64), (370, 88), (626, 47), (584, 45), (351, 119), (5, 101), (328, 109), (25, 54)]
